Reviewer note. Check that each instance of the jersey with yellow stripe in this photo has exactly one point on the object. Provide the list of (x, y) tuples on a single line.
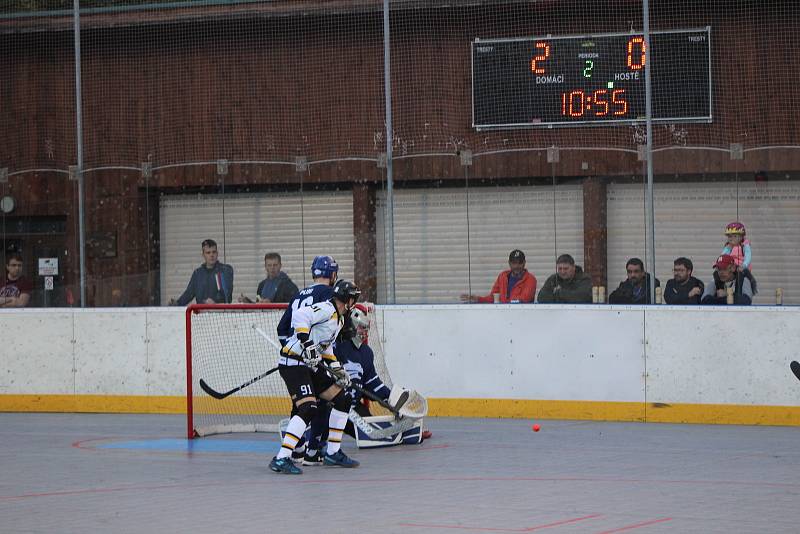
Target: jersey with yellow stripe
[(322, 323)]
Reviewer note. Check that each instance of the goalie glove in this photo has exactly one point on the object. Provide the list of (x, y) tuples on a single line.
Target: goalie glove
[(310, 356), (339, 374)]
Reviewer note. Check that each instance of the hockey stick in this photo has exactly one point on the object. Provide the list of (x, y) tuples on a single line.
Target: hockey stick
[(217, 395), (220, 396), (795, 367)]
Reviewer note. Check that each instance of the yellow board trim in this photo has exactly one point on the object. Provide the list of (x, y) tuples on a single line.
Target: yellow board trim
[(733, 414), (712, 414)]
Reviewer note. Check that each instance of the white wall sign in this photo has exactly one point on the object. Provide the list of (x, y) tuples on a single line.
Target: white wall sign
[(48, 267)]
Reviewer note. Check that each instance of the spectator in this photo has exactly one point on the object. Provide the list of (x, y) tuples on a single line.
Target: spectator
[(16, 292), (636, 289), (568, 285), (513, 285), (277, 286), (683, 288), (728, 275), (211, 283), (737, 245)]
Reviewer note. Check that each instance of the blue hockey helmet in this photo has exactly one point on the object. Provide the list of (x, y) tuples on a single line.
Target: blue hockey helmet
[(324, 267)]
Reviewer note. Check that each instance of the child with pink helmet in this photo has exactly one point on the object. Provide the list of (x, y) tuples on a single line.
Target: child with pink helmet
[(738, 245)]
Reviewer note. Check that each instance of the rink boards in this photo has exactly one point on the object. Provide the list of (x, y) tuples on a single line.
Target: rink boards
[(593, 362)]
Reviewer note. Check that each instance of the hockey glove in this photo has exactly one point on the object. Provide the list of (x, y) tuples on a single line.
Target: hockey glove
[(339, 374), (310, 356)]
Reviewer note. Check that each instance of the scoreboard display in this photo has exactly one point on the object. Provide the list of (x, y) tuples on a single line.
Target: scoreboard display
[(546, 82)]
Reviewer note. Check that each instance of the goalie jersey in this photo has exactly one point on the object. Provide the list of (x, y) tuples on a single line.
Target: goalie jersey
[(359, 362), (322, 323), (313, 294)]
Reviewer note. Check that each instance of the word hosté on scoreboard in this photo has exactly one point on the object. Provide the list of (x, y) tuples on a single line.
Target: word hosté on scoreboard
[(607, 101)]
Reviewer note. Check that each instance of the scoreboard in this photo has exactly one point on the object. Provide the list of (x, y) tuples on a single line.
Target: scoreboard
[(555, 81)]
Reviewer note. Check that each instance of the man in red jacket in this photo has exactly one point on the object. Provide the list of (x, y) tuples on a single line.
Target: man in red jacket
[(514, 285)]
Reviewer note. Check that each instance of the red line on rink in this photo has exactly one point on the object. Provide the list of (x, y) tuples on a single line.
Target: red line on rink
[(637, 525), (495, 529)]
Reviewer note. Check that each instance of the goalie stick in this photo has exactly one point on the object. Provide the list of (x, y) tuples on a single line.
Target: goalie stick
[(795, 367)]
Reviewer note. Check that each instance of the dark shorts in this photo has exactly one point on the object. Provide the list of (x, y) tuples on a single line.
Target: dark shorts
[(304, 382)]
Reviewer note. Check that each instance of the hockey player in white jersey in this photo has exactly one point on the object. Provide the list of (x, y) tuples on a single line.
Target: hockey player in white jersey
[(311, 372)]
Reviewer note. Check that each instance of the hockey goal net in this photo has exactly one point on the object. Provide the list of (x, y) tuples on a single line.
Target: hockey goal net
[(225, 349)]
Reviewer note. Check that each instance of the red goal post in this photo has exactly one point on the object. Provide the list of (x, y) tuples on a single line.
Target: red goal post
[(225, 349)]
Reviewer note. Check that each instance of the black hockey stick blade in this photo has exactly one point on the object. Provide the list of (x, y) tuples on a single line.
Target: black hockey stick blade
[(217, 395), (795, 367)]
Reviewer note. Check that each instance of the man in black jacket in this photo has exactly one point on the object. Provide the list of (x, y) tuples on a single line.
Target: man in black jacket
[(683, 288), (277, 286), (636, 289)]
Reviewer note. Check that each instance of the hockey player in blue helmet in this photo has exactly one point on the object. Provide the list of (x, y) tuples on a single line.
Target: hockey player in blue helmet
[(324, 272)]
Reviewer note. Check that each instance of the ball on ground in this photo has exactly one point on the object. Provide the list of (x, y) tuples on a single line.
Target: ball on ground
[(535, 428)]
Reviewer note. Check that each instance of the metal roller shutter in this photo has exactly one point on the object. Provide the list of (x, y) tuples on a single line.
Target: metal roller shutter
[(435, 260), (254, 225)]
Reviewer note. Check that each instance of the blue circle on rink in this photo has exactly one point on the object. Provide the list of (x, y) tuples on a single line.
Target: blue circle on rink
[(195, 445)]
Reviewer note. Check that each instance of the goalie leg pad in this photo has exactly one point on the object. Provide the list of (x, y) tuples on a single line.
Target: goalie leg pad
[(404, 435), (413, 436)]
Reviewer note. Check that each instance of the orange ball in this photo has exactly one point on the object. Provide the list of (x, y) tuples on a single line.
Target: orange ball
[(536, 428)]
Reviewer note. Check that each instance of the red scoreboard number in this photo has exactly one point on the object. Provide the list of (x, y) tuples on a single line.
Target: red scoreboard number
[(602, 102)]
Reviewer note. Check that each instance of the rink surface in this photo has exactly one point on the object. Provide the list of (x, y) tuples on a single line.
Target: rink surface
[(67, 473)]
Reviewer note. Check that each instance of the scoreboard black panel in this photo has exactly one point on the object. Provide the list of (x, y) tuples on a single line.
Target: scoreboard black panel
[(590, 80)]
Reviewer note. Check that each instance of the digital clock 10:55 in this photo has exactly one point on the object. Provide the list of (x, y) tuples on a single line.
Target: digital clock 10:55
[(590, 80)]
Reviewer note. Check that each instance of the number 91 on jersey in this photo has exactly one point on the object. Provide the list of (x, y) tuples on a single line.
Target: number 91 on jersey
[(556, 81)]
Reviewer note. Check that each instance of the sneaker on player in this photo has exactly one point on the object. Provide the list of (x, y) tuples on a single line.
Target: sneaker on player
[(340, 459), (297, 456), (313, 459), (285, 466)]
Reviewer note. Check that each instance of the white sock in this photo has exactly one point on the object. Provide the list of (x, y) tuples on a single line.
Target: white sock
[(292, 435), (335, 430)]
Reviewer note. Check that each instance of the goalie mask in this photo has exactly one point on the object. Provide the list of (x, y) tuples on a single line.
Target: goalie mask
[(360, 320)]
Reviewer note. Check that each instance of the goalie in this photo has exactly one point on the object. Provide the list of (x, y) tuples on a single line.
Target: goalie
[(358, 359)]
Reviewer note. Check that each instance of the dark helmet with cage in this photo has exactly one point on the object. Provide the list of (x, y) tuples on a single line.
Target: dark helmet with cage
[(324, 267), (346, 292)]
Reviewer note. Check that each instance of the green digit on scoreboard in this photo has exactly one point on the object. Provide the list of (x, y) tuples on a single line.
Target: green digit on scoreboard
[(587, 71)]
